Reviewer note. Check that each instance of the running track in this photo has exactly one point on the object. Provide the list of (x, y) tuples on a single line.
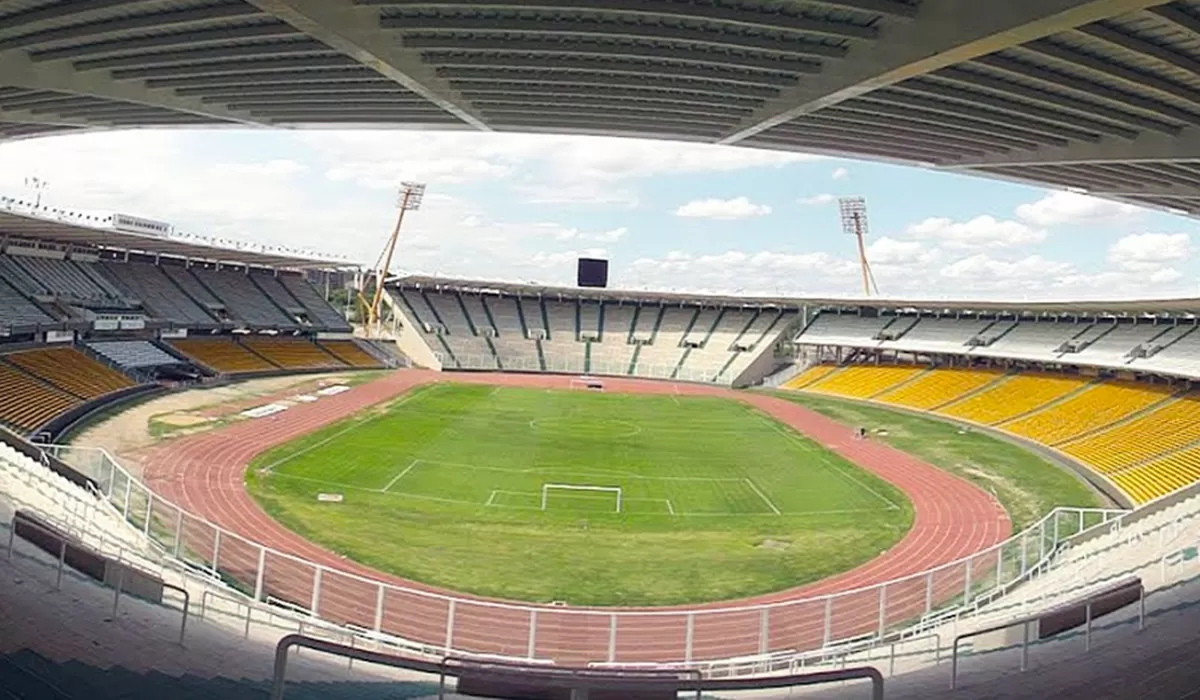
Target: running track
[(204, 475)]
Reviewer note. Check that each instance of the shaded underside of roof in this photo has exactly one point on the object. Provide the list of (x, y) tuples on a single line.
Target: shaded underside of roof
[(1101, 96)]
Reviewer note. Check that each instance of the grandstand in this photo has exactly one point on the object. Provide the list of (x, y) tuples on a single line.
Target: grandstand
[(84, 323), (1100, 389), (484, 326)]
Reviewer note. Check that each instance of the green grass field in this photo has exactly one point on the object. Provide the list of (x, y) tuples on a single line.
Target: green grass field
[(447, 486), (1026, 484)]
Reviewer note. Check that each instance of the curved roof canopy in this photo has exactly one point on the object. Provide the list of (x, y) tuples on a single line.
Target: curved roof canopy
[(1098, 95)]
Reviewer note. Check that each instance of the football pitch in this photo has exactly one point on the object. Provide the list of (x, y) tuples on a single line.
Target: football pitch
[(585, 497)]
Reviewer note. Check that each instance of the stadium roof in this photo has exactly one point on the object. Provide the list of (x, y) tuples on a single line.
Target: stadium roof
[(20, 221), (1132, 307), (1100, 96)]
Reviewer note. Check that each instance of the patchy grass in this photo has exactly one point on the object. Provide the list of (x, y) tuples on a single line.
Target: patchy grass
[(1027, 484), (445, 486)]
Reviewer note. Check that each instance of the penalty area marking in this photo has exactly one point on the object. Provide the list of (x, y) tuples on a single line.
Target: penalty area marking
[(763, 496), (400, 476)]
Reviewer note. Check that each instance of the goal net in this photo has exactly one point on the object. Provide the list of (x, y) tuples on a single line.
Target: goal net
[(583, 491), (587, 383)]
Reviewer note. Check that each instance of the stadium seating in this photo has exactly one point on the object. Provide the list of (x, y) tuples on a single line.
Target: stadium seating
[(16, 310), (350, 353), (1167, 428), (938, 388), (222, 355), (28, 402), (320, 312), (866, 381), (133, 354), (160, 296), (810, 376), (1161, 476), (292, 353), (1101, 404), (57, 277), (1013, 397), (71, 370), (242, 299), (848, 330)]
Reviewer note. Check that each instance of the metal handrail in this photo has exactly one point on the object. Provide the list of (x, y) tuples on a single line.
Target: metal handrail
[(1027, 620), (285, 645), (529, 607), (66, 538)]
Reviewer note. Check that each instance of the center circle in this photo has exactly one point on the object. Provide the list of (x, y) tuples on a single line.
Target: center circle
[(609, 427)]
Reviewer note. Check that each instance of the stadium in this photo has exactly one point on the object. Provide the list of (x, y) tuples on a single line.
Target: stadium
[(235, 470)]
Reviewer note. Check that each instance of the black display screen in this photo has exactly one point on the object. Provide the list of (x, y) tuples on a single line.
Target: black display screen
[(592, 273)]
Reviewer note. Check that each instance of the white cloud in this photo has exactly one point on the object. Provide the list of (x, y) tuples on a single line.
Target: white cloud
[(980, 232), (722, 209), (840, 174), (890, 251), (1150, 251), (1064, 208), (610, 236), (823, 198)]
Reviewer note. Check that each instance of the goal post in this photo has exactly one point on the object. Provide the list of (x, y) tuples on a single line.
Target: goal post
[(547, 488)]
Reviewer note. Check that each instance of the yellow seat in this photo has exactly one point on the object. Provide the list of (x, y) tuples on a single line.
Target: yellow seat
[(939, 387), (1098, 405), (865, 381), (1013, 397)]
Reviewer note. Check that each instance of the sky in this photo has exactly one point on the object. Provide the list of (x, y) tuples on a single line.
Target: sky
[(669, 216)]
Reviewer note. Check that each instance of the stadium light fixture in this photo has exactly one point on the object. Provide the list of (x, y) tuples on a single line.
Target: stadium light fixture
[(854, 223), (37, 185), (409, 199)]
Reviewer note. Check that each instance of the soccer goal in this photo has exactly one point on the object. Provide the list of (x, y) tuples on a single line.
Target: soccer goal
[(587, 383), (547, 488)]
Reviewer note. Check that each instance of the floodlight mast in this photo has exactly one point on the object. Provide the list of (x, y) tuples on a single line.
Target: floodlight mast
[(409, 199), (854, 223)]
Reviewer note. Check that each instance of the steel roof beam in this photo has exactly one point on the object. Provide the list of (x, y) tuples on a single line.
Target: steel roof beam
[(379, 86), (280, 78), (578, 79), (713, 14), (923, 126), (335, 61), (957, 121), (1141, 46), (26, 117), (268, 101), (811, 131), (945, 33), (58, 76), (200, 37), (1134, 78), (1149, 146), (900, 130), (625, 30), (994, 85), (659, 106), (601, 113), (447, 67), (1183, 20), (634, 92), (155, 21), (494, 45), (223, 53), (972, 99), (999, 118), (836, 147), (354, 31), (1071, 84)]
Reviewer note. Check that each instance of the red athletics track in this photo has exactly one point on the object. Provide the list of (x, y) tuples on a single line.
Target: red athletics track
[(204, 475)]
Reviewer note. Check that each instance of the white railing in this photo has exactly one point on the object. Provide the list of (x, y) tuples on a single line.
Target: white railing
[(568, 364), (428, 619)]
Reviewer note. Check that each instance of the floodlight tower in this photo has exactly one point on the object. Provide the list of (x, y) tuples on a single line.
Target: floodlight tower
[(36, 185), (409, 199), (854, 222)]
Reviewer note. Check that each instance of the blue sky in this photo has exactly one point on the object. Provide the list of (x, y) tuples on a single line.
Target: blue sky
[(669, 215)]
